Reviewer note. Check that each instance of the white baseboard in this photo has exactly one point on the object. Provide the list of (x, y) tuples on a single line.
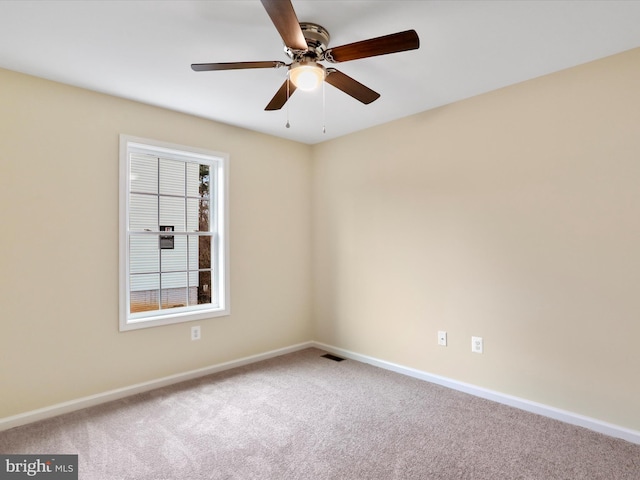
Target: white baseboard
[(523, 404), (92, 400), (610, 429)]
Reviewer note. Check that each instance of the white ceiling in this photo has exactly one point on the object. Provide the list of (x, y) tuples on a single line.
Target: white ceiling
[(142, 50)]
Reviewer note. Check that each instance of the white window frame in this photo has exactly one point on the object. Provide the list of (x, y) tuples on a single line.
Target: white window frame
[(219, 162)]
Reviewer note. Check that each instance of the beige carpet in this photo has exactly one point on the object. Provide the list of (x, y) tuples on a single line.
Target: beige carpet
[(301, 416)]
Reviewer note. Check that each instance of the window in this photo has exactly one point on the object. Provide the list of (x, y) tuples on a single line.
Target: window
[(173, 234)]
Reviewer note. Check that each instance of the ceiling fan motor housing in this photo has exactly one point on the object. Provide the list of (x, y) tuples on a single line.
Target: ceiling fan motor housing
[(317, 38)]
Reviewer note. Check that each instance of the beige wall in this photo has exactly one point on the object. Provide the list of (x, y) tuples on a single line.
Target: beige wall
[(59, 336), (514, 216)]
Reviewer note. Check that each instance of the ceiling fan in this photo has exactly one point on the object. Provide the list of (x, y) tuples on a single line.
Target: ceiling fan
[(306, 45)]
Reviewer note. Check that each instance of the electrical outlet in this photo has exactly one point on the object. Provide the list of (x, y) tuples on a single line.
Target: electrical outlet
[(442, 338), (195, 333), (476, 344)]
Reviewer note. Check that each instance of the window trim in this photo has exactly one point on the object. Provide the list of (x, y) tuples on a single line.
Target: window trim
[(220, 161)]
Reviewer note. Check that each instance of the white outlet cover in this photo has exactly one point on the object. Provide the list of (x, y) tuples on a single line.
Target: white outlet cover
[(442, 338), (476, 344), (195, 333)]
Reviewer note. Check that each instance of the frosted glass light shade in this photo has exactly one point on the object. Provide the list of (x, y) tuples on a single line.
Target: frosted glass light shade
[(307, 76)]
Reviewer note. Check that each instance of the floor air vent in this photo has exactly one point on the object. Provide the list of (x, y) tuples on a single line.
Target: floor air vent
[(332, 357)]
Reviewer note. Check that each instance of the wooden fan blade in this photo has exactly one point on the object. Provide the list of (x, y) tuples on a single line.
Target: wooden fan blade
[(396, 42), (281, 96), (350, 86), (286, 22), (205, 67)]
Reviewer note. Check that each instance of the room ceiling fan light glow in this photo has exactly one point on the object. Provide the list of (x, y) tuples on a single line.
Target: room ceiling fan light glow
[(307, 76)]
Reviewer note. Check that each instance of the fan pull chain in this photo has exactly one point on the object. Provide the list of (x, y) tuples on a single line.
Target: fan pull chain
[(288, 80), (324, 116)]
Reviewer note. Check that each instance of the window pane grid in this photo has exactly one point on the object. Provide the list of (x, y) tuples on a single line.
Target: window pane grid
[(181, 197)]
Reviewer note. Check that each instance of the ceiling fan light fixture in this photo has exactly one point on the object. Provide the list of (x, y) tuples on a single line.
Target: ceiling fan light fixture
[(307, 76)]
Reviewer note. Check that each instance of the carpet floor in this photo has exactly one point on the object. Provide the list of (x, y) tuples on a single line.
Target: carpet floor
[(302, 416)]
